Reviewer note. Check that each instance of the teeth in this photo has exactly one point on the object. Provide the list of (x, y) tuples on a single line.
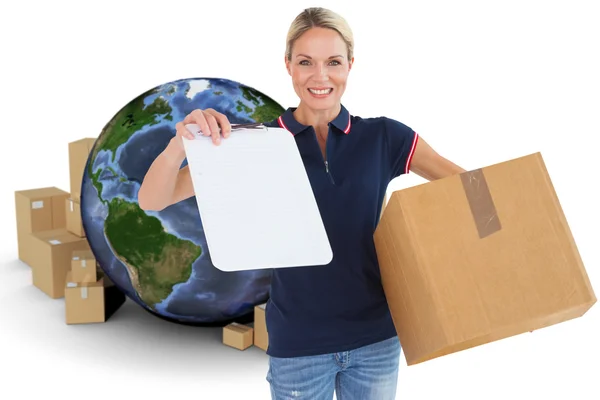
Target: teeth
[(325, 91)]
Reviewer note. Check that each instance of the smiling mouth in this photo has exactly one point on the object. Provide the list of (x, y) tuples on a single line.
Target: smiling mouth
[(320, 91)]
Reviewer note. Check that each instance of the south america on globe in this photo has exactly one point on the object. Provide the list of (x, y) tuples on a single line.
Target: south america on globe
[(160, 259)]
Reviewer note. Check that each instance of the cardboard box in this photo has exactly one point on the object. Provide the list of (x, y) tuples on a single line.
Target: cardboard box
[(73, 217), (238, 336), (79, 152), (37, 210), (261, 337), (479, 257), (84, 267), (51, 253), (91, 302)]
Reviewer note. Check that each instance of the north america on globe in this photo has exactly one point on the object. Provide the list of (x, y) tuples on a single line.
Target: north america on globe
[(160, 259)]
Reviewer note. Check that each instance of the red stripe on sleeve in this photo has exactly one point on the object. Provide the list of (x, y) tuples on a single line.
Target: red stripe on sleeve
[(411, 153)]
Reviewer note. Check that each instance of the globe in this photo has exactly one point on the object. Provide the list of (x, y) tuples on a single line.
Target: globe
[(160, 260)]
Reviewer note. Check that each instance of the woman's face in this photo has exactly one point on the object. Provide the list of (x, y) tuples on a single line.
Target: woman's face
[(319, 68)]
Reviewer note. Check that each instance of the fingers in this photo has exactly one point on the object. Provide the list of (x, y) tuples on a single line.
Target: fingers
[(214, 128), (197, 117), (212, 123), (223, 122), (183, 131)]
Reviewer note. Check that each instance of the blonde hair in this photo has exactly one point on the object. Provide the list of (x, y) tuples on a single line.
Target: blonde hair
[(318, 17)]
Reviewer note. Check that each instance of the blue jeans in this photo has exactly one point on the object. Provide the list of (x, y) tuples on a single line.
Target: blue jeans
[(366, 373)]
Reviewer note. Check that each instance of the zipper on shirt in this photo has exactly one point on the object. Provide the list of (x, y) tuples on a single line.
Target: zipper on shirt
[(325, 161), (329, 173)]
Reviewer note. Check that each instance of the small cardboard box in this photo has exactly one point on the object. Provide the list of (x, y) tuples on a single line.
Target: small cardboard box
[(238, 336), (91, 302), (84, 267), (261, 337), (37, 210), (79, 152), (51, 253), (73, 216), (478, 257)]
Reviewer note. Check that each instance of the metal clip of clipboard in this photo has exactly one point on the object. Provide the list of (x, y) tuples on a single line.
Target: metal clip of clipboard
[(237, 127), (250, 125)]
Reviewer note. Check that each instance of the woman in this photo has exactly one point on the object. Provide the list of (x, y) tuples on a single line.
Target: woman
[(329, 327)]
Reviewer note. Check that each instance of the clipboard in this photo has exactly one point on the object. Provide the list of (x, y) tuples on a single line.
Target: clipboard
[(255, 200)]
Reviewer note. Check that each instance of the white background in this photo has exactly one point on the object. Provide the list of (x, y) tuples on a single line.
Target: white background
[(482, 82)]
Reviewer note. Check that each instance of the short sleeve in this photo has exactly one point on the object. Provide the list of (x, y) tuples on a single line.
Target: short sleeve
[(402, 141)]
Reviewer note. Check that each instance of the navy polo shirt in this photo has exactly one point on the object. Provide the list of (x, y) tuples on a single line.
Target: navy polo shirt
[(341, 306)]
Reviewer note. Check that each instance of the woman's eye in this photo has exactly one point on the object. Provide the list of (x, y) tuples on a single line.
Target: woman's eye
[(306, 62)]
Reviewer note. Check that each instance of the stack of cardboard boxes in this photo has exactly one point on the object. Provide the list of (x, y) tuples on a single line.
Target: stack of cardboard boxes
[(50, 234), (44, 243), (90, 296), (242, 336)]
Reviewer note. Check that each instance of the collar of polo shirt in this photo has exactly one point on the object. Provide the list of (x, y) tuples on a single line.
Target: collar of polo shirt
[(287, 121)]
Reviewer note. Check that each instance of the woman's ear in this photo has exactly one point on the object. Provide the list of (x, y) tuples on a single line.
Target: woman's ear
[(287, 65), (350, 64)]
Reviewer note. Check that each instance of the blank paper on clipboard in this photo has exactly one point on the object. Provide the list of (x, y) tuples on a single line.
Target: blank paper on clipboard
[(255, 201)]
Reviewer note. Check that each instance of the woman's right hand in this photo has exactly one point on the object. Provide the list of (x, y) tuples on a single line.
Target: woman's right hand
[(212, 123)]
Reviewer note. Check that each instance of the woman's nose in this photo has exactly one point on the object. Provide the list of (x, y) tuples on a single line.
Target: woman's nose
[(322, 72)]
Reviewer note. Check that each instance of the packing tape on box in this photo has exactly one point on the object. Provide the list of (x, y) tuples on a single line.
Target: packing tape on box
[(71, 204), (83, 263), (84, 292), (37, 204), (481, 202)]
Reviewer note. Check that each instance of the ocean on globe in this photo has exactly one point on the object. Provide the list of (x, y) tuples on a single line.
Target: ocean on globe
[(160, 260)]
